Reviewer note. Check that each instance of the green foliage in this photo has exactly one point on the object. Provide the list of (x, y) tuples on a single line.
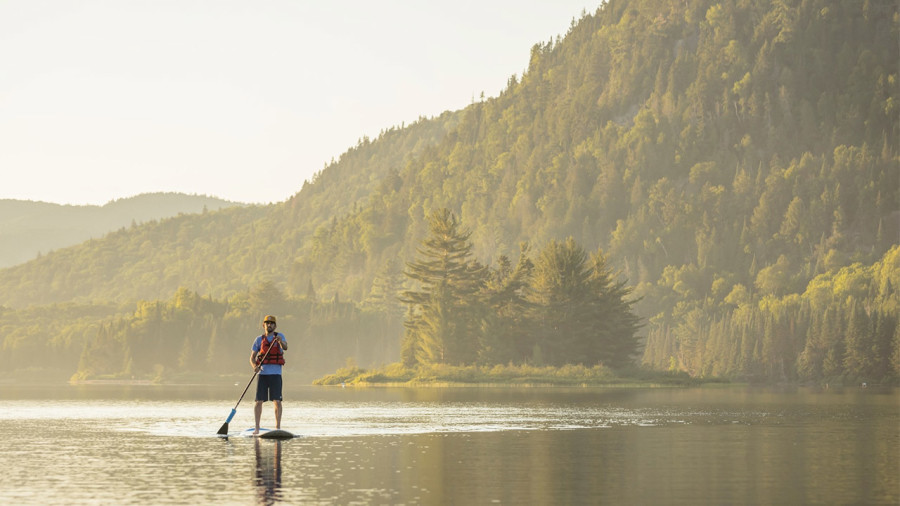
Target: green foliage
[(192, 336), (50, 338), (840, 329), (509, 374), (441, 325), (739, 162), (578, 313), (562, 308), (30, 229)]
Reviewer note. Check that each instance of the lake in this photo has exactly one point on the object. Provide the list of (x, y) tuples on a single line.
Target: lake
[(107, 444)]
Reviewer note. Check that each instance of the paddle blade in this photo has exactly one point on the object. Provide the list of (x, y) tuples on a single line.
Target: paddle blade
[(223, 430)]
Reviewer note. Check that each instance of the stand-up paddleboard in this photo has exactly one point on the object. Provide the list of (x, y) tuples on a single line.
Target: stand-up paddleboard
[(269, 434)]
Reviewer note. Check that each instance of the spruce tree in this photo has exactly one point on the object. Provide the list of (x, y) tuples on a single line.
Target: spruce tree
[(559, 293), (505, 335), (443, 323), (615, 341), (578, 311)]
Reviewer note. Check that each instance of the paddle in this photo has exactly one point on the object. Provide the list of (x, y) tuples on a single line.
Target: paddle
[(223, 430)]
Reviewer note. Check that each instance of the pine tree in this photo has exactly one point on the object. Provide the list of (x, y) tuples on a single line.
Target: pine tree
[(559, 295), (506, 336), (809, 362), (616, 324), (580, 313), (895, 351), (443, 323), (858, 343)]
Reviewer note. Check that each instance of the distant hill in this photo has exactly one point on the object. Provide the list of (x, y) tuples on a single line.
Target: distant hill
[(29, 228), (226, 251)]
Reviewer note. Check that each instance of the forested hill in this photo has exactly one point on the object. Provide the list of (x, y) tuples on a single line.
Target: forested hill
[(219, 253), (31, 228), (737, 161)]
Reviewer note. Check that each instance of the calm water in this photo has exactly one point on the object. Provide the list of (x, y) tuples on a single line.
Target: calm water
[(157, 445)]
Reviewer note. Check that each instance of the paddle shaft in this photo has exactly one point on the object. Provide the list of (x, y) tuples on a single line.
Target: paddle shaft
[(224, 429), (255, 372)]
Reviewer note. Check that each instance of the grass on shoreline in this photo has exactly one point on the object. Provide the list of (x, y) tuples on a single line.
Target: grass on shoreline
[(567, 375)]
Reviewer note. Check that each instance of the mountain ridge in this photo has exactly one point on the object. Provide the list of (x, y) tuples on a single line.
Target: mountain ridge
[(29, 228)]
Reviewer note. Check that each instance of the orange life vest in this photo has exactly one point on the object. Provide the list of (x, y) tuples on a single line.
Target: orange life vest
[(275, 355)]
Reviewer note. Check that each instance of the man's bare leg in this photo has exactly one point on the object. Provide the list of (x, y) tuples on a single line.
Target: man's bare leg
[(277, 415), (257, 414)]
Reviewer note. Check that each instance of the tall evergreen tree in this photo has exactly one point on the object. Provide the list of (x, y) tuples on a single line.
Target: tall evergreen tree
[(505, 334), (558, 293), (858, 342), (579, 313), (442, 326), (616, 324)]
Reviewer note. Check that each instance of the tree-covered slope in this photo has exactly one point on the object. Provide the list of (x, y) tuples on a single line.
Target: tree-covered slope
[(217, 253), (699, 136), (739, 162), (31, 228)]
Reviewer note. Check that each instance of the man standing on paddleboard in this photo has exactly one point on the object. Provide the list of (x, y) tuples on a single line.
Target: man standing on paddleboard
[(267, 357)]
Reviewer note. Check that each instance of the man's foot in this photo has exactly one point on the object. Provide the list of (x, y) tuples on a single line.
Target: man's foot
[(256, 432)]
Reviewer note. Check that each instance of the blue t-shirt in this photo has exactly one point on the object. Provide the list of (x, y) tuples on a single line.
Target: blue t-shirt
[(257, 345)]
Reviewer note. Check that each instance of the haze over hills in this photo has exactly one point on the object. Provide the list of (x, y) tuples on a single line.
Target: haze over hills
[(30, 228), (738, 163)]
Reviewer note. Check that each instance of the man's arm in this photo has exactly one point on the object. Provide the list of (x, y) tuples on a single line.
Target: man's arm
[(283, 342), (253, 355)]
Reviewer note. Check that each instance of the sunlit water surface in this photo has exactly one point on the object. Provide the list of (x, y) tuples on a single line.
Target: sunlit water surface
[(736, 445)]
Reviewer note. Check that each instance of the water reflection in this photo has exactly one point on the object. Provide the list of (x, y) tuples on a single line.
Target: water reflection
[(457, 446), (267, 473)]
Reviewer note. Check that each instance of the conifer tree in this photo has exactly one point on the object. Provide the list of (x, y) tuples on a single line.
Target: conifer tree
[(558, 293), (895, 352), (442, 326), (857, 343), (615, 322), (579, 313), (505, 331)]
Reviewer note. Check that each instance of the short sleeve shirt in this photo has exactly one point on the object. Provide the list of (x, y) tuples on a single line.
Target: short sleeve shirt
[(268, 368)]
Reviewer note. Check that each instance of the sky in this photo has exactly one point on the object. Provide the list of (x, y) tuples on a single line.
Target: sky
[(238, 99)]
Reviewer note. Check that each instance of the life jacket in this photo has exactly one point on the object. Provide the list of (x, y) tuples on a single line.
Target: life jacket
[(275, 356)]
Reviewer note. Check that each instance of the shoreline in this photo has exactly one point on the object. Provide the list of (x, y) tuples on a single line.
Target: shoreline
[(118, 382)]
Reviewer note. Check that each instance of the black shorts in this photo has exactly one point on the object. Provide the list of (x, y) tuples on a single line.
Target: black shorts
[(268, 387)]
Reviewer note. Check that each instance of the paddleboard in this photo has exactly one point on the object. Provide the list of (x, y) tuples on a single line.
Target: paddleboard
[(269, 434), (276, 434)]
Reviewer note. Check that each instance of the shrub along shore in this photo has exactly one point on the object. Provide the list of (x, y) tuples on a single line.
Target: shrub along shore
[(569, 375)]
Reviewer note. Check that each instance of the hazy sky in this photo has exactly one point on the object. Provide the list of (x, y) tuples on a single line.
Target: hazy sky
[(239, 99)]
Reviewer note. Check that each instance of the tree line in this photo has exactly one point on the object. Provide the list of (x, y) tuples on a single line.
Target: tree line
[(843, 327), (195, 337), (563, 307)]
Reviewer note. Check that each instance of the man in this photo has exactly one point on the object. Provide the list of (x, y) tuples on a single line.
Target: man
[(267, 357)]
